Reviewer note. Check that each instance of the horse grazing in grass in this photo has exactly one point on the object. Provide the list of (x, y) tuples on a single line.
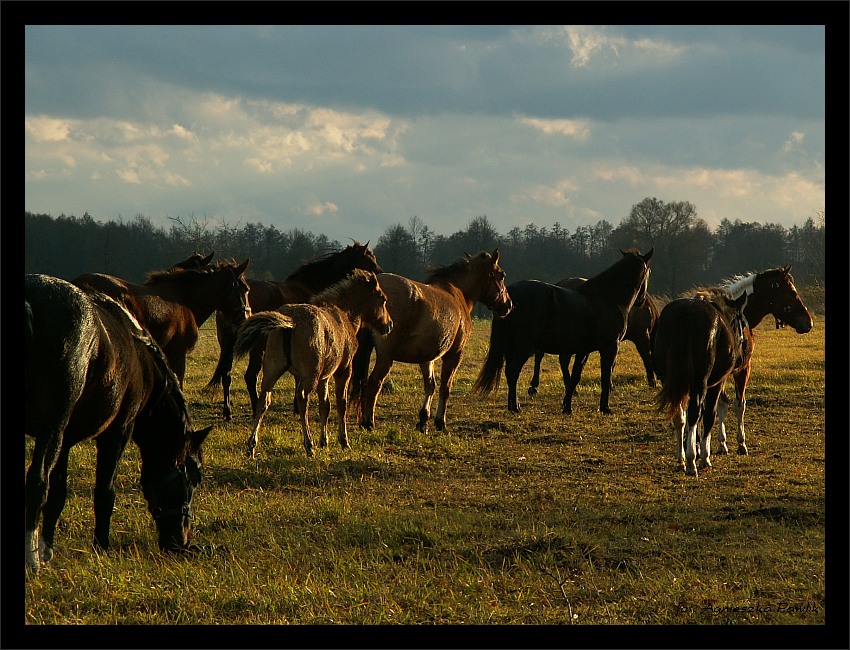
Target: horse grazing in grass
[(558, 320), (172, 305), (298, 287), (641, 321), (315, 342), (699, 342), (768, 292), (93, 372), (433, 320)]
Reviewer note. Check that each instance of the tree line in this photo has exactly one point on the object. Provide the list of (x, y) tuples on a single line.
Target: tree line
[(687, 251)]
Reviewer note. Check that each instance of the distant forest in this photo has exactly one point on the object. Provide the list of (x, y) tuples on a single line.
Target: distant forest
[(687, 251)]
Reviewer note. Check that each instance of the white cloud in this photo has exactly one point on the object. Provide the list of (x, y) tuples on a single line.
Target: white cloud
[(47, 129), (322, 208), (580, 129), (793, 141)]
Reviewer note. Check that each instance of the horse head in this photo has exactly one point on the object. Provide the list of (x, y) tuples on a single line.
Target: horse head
[(236, 306), (776, 287), (376, 314), (495, 295), (170, 493), (363, 258)]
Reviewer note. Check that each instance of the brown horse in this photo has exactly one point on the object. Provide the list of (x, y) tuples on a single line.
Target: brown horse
[(768, 292), (195, 261), (642, 317), (566, 322), (173, 304), (264, 295), (433, 320), (93, 373), (315, 342), (699, 342)]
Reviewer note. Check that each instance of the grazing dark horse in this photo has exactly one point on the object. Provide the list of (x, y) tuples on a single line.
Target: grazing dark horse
[(315, 342), (93, 372), (699, 342), (264, 295), (642, 317), (557, 320), (432, 320), (769, 292), (173, 304)]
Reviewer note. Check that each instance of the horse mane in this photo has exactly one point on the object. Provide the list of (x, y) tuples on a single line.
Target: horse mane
[(179, 274), (737, 284), (436, 273), (320, 264), (333, 293)]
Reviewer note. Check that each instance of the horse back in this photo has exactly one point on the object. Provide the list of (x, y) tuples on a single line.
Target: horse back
[(322, 339), (428, 320)]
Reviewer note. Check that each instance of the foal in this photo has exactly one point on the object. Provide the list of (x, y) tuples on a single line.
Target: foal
[(314, 342)]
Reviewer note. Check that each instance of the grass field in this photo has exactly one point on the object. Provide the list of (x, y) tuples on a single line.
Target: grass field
[(536, 518)]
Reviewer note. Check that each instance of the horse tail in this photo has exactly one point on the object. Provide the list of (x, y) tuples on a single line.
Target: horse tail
[(491, 372), (255, 330), (360, 370), (679, 372), (226, 334)]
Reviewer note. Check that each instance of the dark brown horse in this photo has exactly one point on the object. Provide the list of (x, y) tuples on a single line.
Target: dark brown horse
[(315, 342), (768, 292), (264, 295), (173, 304), (642, 317), (699, 342), (557, 320), (432, 320), (93, 372)]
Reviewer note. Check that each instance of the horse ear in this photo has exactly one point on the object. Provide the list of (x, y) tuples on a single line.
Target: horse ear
[(495, 256), (199, 436), (207, 259), (241, 268), (648, 255), (366, 245), (786, 269)]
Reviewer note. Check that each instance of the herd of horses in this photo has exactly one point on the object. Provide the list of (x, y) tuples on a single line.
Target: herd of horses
[(106, 358)]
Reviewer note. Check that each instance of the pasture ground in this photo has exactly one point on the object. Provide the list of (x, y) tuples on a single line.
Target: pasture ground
[(536, 518)]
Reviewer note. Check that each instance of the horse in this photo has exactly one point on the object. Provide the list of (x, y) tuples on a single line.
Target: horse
[(93, 372), (315, 342), (558, 320), (173, 304), (265, 295), (769, 292), (433, 320), (641, 321), (700, 340)]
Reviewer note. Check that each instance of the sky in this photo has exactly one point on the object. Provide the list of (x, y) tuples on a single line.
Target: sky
[(348, 131)]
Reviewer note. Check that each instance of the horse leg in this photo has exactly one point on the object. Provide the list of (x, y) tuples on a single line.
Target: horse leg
[(575, 378), (324, 411), (341, 380), (110, 446), (44, 458), (450, 364), (607, 359), (535, 378), (255, 362), (373, 389), (564, 362), (56, 498), (645, 352), (513, 366), (302, 395), (693, 423), (722, 408), (429, 385), (226, 380), (264, 400), (679, 422), (177, 362), (741, 406), (709, 414)]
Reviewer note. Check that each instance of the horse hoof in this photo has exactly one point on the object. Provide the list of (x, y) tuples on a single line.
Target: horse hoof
[(366, 425), (742, 451), (440, 425), (606, 411), (532, 390), (567, 410)]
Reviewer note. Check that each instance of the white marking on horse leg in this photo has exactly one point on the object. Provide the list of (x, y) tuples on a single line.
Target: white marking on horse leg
[(705, 449), (30, 546), (45, 552), (263, 403)]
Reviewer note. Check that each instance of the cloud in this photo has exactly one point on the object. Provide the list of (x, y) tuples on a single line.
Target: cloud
[(319, 209), (580, 129), (47, 129), (793, 142)]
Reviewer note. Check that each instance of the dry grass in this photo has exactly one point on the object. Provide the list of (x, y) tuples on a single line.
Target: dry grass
[(536, 518)]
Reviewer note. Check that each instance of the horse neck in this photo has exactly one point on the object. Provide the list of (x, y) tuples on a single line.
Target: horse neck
[(756, 309)]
